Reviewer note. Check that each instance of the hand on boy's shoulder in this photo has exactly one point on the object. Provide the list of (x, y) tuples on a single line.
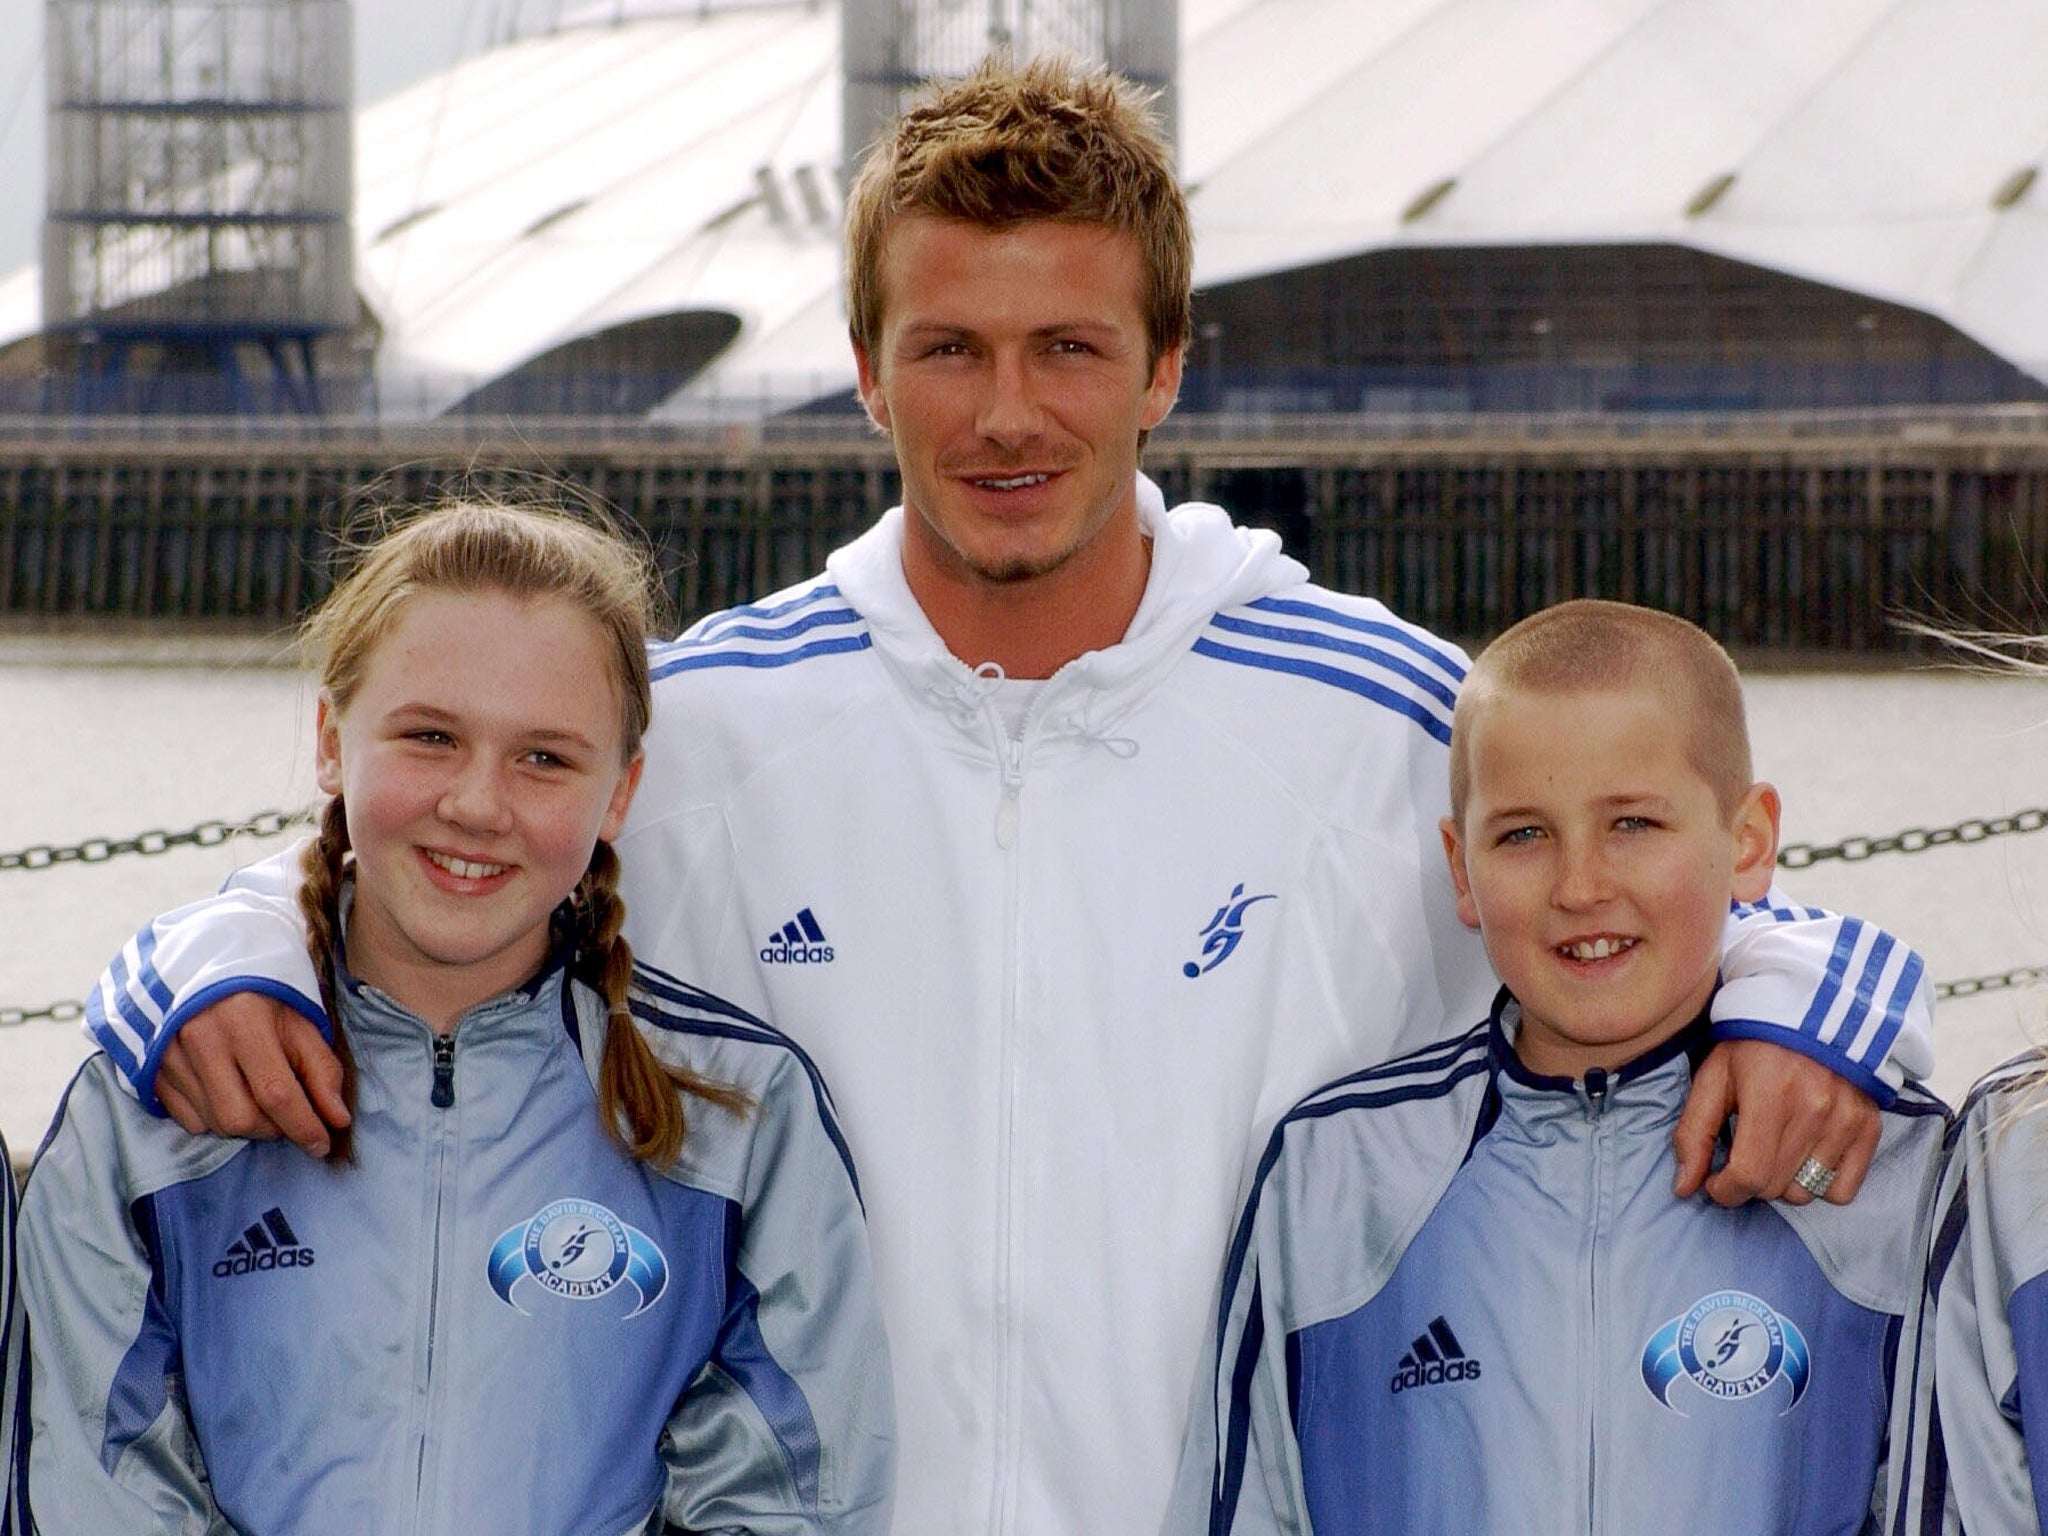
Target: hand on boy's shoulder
[(250, 1066), (1788, 1107)]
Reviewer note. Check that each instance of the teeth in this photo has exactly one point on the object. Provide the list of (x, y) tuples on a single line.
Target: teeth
[(1012, 482), (1597, 949), (464, 869)]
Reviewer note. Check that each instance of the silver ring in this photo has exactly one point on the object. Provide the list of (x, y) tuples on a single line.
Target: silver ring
[(1815, 1177)]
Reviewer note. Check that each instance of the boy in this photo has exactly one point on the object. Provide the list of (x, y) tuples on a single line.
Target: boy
[(1462, 1296)]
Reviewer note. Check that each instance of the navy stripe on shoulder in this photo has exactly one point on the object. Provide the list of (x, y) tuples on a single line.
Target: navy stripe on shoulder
[(767, 634), (1403, 635), (712, 625), (656, 1001), (1429, 1069), (1432, 717), (702, 660)]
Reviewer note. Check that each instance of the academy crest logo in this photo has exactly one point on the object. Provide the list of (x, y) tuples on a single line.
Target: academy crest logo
[(580, 1251), (1732, 1346)]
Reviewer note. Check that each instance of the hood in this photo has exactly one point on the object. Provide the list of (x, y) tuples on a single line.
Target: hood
[(1201, 563)]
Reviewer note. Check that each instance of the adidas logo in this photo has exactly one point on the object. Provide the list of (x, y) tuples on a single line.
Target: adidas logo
[(269, 1244), (800, 941), (1436, 1356)]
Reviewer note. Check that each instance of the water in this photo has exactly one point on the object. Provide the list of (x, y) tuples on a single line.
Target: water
[(113, 739)]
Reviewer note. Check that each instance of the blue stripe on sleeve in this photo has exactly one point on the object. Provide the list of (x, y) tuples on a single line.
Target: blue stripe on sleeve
[(1394, 632), (1846, 940), (744, 1354), (1224, 1508), (1430, 720), (145, 958), (715, 622), (1896, 1009), (107, 1037), (141, 1385), (1435, 687), (808, 622), (1866, 990), (706, 659)]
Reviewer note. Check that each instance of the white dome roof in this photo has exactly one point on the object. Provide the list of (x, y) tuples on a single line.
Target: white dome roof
[(657, 158)]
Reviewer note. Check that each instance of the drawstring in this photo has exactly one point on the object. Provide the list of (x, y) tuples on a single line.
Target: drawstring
[(965, 699), (1123, 748)]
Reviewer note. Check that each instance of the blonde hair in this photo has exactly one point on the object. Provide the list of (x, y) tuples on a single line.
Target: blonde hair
[(1054, 139), (523, 552), (1588, 645)]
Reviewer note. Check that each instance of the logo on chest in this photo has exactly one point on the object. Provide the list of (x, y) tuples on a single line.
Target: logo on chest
[(578, 1250), (265, 1245), (1225, 931), (1732, 1346)]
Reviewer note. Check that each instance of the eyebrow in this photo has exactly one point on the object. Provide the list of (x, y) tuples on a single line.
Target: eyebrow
[(433, 714), (923, 329)]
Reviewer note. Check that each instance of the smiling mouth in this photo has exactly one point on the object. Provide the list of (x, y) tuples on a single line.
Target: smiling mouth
[(1595, 949), (464, 869), (1009, 482)]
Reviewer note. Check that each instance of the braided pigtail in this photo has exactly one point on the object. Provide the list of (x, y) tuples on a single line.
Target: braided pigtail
[(320, 908), (639, 1098)]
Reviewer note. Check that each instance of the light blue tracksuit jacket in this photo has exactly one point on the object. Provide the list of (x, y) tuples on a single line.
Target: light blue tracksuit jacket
[(493, 1321), (1463, 1299)]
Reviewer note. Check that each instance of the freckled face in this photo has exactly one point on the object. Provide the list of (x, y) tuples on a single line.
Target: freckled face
[(1596, 862), (1012, 371), (479, 762)]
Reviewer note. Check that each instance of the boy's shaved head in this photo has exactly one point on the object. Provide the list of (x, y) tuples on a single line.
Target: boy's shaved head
[(1587, 645)]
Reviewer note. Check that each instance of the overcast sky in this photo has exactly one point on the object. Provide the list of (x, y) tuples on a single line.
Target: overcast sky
[(397, 42)]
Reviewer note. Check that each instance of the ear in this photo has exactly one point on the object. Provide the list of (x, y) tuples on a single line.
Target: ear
[(622, 799), (1164, 389), (1461, 881), (327, 745), (871, 395), (1756, 842)]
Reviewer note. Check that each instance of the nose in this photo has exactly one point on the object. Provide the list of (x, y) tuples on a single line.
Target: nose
[(474, 797), (1009, 414), (1583, 878)]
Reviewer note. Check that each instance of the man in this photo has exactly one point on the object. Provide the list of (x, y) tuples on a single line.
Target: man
[(1074, 838)]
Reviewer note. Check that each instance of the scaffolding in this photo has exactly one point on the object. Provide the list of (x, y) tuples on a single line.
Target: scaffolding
[(199, 194), (890, 47)]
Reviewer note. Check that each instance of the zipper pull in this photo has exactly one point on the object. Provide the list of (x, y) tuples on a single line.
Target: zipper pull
[(444, 1071), (1007, 808), (1594, 1089)]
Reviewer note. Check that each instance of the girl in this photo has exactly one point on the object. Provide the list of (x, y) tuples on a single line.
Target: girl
[(547, 1282)]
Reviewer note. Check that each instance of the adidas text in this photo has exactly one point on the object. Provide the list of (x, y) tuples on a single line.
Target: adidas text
[(796, 954), (1437, 1371), (270, 1258)]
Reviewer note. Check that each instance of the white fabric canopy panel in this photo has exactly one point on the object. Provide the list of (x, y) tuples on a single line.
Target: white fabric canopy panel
[(658, 157)]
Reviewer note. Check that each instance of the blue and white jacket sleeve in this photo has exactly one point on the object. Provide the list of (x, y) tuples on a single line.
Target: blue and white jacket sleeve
[(111, 1448), (246, 939), (789, 1429), (1835, 988), (13, 1370), (1982, 1465)]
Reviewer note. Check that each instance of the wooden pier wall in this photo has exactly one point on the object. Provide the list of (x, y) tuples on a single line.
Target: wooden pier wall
[(1793, 534)]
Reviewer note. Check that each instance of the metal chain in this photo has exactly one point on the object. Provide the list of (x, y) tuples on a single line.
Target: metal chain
[(1913, 840), (97, 850), (54, 1013), (1971, 986)]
